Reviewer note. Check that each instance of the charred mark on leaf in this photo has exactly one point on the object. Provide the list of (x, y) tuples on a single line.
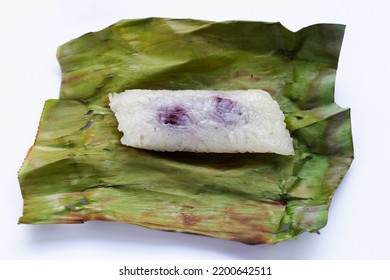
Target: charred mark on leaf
[(88, 125)]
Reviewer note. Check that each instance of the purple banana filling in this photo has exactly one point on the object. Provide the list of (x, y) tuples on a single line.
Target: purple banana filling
[(226, 110), (174, 116)]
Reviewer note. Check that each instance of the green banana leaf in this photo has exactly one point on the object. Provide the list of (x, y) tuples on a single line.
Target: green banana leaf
[(77, 169)]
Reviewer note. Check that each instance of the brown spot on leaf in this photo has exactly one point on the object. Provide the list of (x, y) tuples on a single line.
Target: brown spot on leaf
[(255, 78), (252, 240), (227, 165), (150, 214), (186, 206), (224, 79), (248, 227), (99, 217), (189, 219), (68, 78), (241, 73), (270, 90), (106, 199)]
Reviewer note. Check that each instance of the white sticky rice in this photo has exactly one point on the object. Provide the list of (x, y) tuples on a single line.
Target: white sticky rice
[(202, 121)]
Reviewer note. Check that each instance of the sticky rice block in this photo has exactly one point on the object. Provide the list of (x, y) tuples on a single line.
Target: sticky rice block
[(202, 121)]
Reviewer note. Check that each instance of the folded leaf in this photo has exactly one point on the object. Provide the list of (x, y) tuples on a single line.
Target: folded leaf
[(78, 171)]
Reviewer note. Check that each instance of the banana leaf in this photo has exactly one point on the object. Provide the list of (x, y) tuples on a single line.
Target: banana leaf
[(77, 170)]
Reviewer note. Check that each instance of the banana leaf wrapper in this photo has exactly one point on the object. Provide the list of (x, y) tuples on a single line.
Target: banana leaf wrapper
[(77, 169)]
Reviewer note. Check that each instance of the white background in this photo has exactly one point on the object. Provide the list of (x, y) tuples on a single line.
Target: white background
[(358, 226)]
